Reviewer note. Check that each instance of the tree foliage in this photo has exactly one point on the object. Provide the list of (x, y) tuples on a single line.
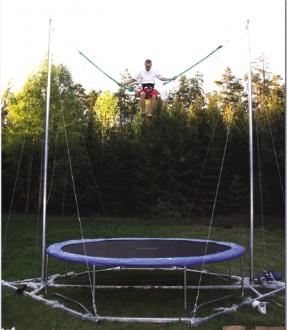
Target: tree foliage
[(115, 162)]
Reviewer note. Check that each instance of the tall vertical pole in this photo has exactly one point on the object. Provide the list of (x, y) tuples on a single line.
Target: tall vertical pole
[(285, 165), (45, 167), (250, 161)]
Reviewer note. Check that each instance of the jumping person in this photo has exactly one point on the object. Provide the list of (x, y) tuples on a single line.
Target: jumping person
[(146, 78)]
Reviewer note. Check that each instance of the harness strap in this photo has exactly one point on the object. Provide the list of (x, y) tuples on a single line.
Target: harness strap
[(149, 86)]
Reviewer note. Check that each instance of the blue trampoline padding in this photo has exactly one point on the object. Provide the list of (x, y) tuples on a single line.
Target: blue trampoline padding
[(145, 252)]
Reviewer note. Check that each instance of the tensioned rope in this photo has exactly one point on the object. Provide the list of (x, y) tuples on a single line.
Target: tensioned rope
[(264, 243), (13, 193), (114, 80), (76, 199), (211, 219), (275, 154), (89, 162), (130, 88), (91, 168), (203, 166), (194, 65), (261, 195)]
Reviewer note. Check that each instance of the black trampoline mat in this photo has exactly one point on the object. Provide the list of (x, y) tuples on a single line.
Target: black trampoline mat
[(145, 248)]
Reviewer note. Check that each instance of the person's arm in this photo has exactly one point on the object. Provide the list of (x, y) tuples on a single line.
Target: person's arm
[(166, 79), (128, 82)]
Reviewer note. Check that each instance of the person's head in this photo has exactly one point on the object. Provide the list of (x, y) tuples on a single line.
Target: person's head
[(148, 64)]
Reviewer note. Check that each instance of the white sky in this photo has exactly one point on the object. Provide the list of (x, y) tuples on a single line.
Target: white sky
[(121, 34)]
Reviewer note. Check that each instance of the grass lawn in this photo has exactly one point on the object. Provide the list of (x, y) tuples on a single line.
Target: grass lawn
[(21, 259)]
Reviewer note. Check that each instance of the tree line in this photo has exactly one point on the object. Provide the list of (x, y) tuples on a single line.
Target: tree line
[(108, 160)]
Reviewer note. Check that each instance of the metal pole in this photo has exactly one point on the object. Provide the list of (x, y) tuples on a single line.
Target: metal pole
[(250, 160), (185, 289), (285, 169), (45, 167)]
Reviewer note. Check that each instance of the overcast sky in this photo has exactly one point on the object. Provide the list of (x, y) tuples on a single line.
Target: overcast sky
[(119, 35)]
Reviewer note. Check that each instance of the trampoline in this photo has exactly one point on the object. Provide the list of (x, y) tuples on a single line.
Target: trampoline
[(145, 252)]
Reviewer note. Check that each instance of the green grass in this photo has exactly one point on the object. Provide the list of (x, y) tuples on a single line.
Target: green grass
[(21, 259)]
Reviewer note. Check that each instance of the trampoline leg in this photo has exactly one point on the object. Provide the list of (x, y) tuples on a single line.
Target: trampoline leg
[(94, 291), (229, 270), (66, 268), (184, 289), (242, 276), (46, 274)]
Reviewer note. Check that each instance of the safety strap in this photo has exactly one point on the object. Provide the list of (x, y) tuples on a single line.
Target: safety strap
[(148, 86)]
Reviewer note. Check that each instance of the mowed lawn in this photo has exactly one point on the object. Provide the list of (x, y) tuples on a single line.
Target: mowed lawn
[(21, 259)]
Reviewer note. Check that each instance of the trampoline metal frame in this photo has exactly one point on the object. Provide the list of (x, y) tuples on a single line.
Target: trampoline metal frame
[(184, 287), (37, 286)]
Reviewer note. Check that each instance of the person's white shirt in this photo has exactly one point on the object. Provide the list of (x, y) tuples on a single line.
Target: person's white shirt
[(147, 77)]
